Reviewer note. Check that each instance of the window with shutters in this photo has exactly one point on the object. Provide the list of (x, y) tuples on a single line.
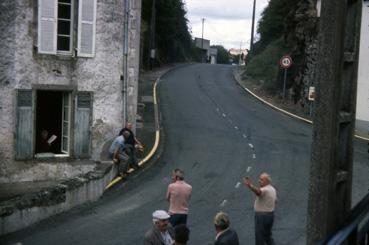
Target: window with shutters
[(47, 121), (56, 27)]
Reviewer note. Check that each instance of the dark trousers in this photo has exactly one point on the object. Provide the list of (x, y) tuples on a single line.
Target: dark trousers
[(122, 164), (177, 219), (131, 152), (263, 228)]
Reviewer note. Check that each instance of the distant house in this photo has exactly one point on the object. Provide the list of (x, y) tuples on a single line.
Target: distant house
[(236, 51), (213, 54), (69, 72), (210, 54), (202, 43)]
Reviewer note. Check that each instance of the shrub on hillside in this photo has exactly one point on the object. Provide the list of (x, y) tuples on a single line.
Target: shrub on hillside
[(265, 66)]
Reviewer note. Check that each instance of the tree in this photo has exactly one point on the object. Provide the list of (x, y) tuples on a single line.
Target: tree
[(293, 23), (172, 38), (223, 56)]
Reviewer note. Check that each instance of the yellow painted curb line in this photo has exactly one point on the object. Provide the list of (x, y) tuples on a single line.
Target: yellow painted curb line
[(288, 113), (153, 149)]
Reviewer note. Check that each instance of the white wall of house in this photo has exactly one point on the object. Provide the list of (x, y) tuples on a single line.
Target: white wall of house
[(23, 67), (362, 106)]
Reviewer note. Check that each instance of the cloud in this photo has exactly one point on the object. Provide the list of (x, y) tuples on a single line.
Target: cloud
[(227, 22), (220, 9)]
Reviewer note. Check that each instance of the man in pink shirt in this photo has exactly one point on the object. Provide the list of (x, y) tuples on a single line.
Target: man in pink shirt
[(178, 196)]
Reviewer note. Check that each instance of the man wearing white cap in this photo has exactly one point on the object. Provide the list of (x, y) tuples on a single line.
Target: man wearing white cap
[(161, 233)]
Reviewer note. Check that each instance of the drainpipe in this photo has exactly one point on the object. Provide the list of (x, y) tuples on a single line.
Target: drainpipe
[(125, 60)]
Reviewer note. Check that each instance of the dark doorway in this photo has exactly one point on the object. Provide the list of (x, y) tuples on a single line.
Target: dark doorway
[(49, 108)]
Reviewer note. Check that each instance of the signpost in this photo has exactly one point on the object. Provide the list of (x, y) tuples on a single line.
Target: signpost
[(285, 62), (311, 98)]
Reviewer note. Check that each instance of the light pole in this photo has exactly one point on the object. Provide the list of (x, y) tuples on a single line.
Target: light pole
[(202, 40), (152, 35), (252, 26), (239, 57), (202, 34)]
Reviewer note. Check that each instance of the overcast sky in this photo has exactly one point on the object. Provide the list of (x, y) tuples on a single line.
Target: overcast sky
[(227, 22)]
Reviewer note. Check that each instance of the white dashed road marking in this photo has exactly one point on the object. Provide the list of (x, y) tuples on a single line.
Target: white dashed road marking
[(237, 185), (251, 146), (224, 115), (244, 135), (248, 169), (223, 203), (254, 156), (235, 127)]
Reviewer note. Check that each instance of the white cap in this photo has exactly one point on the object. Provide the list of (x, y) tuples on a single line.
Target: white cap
[(160, 215)]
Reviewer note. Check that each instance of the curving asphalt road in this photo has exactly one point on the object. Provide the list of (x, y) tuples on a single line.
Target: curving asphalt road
[(217, 133)]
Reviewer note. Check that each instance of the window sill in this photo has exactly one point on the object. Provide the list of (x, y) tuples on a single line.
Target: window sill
[(50, 155)]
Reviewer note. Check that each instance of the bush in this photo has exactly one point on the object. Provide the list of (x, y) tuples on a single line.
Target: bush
[(265, 66)]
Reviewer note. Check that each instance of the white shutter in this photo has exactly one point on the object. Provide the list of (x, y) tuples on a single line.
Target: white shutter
[(86, 28), (47, 24)]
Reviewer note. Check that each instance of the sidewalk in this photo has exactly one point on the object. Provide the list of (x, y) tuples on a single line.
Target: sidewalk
[(25, 203)]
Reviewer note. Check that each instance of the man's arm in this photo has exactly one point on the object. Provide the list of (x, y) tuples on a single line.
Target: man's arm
[(247, 182), (117, 151), (116, 155)]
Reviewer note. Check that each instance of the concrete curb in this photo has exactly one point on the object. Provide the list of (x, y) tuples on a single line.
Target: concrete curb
[(357, 135)]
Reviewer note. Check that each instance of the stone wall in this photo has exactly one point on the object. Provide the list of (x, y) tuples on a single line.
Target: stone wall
[(7, 35), (22, 67)]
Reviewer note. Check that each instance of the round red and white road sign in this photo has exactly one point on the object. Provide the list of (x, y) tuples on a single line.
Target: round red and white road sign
[(285, 62)]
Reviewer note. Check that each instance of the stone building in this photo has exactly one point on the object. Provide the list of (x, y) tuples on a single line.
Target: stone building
[(68, 81)]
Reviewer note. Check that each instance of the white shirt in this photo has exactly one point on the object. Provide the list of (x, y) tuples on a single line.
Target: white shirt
[(266, 201), (167, 238)]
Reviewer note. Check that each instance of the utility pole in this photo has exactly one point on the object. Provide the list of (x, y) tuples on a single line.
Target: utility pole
[(152, 45), (239, 58), (202, 41), (125, 79), (331, 168), (202, 34), (252, 26)]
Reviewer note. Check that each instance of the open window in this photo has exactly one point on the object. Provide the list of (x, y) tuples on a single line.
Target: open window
[(52, 123)]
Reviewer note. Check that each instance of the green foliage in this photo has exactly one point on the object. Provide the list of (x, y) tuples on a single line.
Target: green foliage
[(223, 55), (274, 20), (171, 39), (286, 27), (265, 66)]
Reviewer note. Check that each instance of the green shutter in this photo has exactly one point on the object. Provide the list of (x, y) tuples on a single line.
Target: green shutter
[(24, 126), (82, 134)]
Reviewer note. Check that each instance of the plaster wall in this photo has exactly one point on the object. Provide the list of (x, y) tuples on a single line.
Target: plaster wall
[(22, 67)]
